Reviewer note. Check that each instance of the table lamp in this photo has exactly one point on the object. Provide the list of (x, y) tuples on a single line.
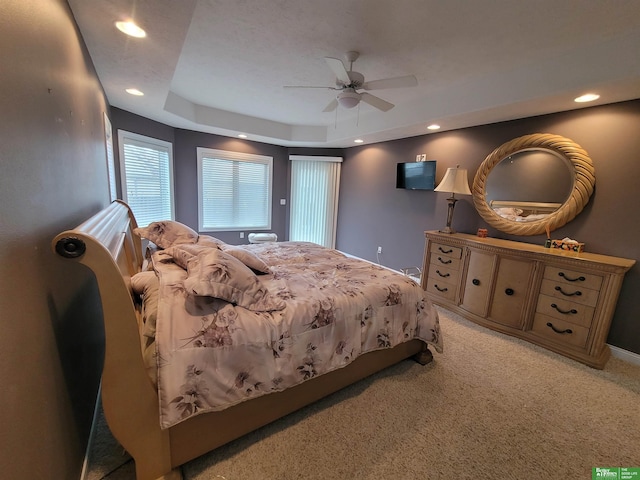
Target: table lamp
[(454, 181)]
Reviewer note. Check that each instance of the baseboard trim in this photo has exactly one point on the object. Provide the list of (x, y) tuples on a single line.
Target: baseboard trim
[(625, 355), (85, 462)]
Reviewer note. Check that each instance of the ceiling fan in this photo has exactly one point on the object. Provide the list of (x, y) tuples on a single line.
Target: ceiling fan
[(349, 82)]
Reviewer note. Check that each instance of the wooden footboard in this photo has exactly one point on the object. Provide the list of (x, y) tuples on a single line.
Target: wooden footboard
[(106, 244)]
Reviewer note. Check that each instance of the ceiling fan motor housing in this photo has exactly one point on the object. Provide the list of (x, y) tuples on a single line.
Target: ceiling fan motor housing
[(357, 80)]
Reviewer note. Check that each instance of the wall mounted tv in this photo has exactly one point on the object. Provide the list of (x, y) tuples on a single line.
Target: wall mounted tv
[(416, 175)]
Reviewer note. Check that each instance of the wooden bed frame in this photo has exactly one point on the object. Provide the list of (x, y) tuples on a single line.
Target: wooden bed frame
[(106, 244)]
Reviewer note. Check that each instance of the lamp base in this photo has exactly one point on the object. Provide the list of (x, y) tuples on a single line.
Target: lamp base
[(452, 203)]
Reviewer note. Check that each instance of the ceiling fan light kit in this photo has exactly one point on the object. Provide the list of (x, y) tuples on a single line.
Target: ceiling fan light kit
[(348, 98), (349, 82)]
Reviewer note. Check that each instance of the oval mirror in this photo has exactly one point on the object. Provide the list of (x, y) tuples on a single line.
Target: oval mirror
[(533, 182)]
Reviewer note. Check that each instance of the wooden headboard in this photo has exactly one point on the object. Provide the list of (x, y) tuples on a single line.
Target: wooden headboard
[(106, 244)]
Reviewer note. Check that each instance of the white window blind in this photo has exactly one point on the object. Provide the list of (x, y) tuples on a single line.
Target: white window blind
[(147, 177), (315, 183), (234, 190)]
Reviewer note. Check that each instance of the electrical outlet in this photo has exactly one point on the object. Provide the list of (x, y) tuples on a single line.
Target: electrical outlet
[(241, 234), (379, 249)]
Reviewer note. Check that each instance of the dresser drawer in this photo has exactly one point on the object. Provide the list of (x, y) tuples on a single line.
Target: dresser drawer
[(560, 331), (440, 260), (446, 250), (477, 285), (573, 278), (570, 312), (444, 273), (442, 289), (511, 291), (570, 293)]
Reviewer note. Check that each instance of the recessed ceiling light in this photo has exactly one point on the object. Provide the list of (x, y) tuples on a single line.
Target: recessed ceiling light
[(131, 29), (134, 91), (433, 127), (358, 140), (588, 97), (242, 135)]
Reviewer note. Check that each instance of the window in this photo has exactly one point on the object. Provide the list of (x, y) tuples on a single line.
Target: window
[(234, 191), (315, 183), (147, 177)]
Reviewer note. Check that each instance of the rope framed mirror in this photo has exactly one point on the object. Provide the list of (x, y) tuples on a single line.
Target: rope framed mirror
[(523, 215)]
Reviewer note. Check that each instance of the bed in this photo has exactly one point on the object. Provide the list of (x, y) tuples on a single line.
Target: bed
[(523, 211), (162, 430)]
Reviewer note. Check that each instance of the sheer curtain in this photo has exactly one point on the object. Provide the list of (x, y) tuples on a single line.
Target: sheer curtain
[(315, 183)]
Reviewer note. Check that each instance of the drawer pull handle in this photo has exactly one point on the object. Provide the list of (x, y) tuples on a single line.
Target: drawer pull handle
[(578, 279), (509, 291), (475, 281), (445, 251), (446, 262), (443, 275), (550, 325), (565, 312), (577, 293), (440, 289)]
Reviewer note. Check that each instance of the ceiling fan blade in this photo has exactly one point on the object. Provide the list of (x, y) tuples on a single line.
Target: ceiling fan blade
[(305, 86), (395, 82), (333, 104), (337, 67), (374, 101)]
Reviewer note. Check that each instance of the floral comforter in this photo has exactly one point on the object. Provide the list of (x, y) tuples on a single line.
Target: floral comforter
[(212, 354)]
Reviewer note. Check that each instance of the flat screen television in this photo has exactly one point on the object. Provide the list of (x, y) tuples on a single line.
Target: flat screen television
[(416, 175)]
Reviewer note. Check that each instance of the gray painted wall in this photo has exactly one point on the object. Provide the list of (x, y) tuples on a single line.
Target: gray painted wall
[(374, 213), (53, 176)]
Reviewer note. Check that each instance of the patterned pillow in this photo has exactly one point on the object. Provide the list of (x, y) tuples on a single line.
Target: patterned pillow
[(214, 273), (209, 241), (183, 253), (167, 233), (250, 259)]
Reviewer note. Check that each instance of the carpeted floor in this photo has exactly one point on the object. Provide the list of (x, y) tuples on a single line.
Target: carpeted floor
[(490, 406)]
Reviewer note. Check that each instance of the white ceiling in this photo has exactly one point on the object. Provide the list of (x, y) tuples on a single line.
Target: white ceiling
[(219, 66)]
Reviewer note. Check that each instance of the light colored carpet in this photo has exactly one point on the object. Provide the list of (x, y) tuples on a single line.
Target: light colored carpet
[(490, 406)]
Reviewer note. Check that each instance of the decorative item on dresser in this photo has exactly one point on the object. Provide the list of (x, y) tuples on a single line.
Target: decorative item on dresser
[(560, 300)]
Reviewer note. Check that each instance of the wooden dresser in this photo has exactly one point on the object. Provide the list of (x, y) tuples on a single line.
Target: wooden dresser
[(559, 300)]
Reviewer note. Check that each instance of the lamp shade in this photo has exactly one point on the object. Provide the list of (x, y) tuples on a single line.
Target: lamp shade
[(455, 181)]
